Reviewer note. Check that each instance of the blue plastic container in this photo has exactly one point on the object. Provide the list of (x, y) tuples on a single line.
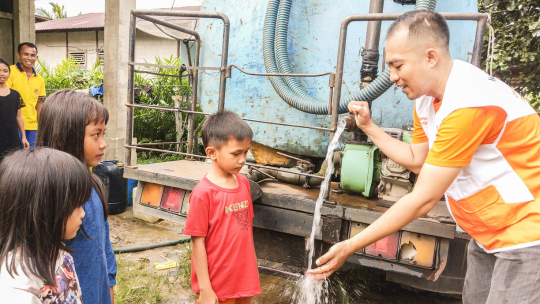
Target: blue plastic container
[(132, 183)]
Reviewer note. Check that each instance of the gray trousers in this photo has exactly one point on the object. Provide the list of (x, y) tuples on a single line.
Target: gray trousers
[(503, 277)]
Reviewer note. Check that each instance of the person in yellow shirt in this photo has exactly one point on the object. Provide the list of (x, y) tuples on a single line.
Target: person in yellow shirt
[(24, 79)]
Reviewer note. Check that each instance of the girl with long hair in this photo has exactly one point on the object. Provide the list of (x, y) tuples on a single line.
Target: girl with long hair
[(75, 123), (41, 196)]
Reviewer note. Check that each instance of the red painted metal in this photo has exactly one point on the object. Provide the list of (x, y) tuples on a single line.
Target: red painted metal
[(385, 248), (172, 199)]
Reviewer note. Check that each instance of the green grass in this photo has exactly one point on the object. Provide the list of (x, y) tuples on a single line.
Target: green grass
[(136, 284), (184, 269)]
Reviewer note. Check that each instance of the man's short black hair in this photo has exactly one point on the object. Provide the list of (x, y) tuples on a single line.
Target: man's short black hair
[(223, 126), (425, 24), (28, 44)]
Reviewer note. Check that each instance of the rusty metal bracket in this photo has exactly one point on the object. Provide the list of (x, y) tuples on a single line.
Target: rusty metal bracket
[(295, 158), (262, 172)]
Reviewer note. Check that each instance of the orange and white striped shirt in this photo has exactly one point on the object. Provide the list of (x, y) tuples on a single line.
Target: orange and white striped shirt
[(486, 128)]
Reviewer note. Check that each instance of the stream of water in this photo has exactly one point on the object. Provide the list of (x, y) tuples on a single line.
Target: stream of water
[(311, 291)]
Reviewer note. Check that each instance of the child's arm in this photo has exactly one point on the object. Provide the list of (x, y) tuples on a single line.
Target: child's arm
[(111, 261), (200, 263), (20, 123)]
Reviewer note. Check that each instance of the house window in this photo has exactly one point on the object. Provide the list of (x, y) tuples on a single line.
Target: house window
[(101, 55), (79, 57)]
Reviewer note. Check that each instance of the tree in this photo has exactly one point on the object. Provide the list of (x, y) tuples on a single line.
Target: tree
[(516, 59), (57, 12)]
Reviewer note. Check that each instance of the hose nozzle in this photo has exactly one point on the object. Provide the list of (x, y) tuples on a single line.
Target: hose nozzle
[(350, 123)]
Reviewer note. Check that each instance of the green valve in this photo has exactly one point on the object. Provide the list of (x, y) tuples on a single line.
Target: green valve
[(360, 168)]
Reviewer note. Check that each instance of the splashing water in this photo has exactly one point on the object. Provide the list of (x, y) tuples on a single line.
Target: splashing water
[(311, 291)]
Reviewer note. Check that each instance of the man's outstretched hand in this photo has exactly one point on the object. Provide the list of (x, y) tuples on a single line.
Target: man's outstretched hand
[(360, 110), (332, 260)]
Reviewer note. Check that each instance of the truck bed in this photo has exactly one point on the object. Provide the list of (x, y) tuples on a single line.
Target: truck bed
[(284, 217), (186, 174)]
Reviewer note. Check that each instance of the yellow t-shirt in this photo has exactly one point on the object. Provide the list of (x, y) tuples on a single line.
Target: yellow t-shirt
[(31, 90)]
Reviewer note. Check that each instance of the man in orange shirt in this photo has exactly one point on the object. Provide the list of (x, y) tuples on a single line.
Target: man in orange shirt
[(476, 141)]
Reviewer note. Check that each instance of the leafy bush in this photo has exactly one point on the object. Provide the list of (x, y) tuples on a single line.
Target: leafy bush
[(68, 75), (516, 61), (160, 126), (150, 126)]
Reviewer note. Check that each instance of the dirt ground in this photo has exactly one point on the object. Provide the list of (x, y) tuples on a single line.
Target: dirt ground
[(125, 231), (173, 288)]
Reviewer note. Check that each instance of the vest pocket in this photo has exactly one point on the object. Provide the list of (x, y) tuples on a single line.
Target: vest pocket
[(486, 210)]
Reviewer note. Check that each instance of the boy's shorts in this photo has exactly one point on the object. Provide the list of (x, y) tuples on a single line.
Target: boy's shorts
[(232, 301)]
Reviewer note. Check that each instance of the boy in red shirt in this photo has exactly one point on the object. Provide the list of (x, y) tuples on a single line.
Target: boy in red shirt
[(223, 263)]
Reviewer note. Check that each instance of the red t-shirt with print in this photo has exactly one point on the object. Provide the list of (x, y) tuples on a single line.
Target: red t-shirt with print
[(224, 216)]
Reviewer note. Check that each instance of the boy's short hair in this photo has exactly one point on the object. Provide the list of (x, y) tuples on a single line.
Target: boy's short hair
[(219, 128)]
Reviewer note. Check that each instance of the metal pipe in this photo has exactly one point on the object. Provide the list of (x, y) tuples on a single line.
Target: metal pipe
[(295, 158), (225, 43), (164, 151), (370, 54), (152, 73), (131, 83), (286, 171), (178, 67), (478, 42), (173, 109), (169, 25), (394, 16), (177, 13), (262, 172), (224, 60), (188, 51), (191, 118), (288, 124), (374, 27), (277, 74), (160, 143), (170, 109)]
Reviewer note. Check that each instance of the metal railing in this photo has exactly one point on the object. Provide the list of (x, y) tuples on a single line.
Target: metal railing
[(226, 72)]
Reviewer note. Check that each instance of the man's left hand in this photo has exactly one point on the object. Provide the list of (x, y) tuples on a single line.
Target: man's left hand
[(331, 261)]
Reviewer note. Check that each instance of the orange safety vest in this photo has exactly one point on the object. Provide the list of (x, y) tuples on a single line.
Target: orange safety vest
[(488, 199)]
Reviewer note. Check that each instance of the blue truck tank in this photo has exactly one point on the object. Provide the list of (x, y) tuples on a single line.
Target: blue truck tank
[(312, 46)]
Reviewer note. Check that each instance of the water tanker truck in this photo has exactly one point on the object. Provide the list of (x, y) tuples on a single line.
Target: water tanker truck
[(289, 69)]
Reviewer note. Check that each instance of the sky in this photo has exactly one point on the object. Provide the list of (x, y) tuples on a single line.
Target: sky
[(74, 7)]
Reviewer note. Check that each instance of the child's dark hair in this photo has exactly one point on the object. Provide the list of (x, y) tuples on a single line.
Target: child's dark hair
[(39, 190), (219, 128), (28, 44), (62, 126), (4, 62)]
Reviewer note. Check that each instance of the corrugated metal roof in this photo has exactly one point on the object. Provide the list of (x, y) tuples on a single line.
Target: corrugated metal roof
[(88, 22)]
